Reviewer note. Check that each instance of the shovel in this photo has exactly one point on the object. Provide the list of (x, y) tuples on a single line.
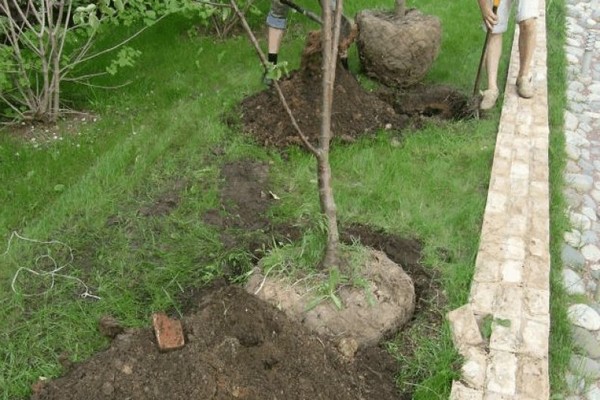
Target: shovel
[(485, 46), (303, 11)]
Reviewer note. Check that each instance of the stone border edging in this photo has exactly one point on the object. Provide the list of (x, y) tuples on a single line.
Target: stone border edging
[(510, 292)]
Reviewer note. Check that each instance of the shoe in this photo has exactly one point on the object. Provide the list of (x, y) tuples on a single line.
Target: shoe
[(489, 99), (525, 87)]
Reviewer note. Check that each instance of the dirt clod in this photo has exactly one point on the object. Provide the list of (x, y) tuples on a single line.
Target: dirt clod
[(109, 326)]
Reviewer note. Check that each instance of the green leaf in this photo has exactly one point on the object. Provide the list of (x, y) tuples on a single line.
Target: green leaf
[(119, 5), (94, 21), (337, 301)]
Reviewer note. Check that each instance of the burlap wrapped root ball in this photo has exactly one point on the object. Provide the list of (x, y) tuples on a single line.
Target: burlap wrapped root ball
[(397, 48)]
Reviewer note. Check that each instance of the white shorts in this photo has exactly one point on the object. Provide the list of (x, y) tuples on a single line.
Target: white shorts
[(526, 9)]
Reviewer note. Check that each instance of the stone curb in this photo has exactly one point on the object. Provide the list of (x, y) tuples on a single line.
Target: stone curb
[(510, 292)]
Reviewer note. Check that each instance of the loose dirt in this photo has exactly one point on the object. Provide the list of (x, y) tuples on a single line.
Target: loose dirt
[(239, 347)]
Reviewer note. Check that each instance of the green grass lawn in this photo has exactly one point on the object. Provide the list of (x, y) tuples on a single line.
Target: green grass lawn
[(85, 189)]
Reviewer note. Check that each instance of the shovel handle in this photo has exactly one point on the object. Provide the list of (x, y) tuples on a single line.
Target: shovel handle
[(495, 6)]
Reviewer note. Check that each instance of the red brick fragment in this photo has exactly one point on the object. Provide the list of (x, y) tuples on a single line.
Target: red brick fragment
[(168, 332)]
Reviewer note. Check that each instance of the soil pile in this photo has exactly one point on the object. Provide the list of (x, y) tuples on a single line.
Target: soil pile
[(238, 347), (356, 112)]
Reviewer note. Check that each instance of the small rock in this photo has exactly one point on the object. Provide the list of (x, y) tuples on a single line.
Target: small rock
[(584, 316), (593, 393), (584, 366), (573, 238), (572, 258), (573, 282), (348, 347), (582, 183), (586, 341), (576, 384), (591, 252)]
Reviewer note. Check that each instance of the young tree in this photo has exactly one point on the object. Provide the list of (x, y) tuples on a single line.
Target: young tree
[(330, 38)]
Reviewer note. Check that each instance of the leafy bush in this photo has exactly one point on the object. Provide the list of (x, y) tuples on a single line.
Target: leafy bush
[(43, 42)]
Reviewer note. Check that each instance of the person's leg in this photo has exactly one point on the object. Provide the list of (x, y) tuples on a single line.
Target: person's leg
[(492, 59), (526, 18), (276, 21), (274, 38), (492, 56)]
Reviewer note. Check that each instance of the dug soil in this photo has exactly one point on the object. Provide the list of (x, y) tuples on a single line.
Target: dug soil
[(237, 346)]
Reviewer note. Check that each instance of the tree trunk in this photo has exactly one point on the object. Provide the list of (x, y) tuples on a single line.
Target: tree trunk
[(328, 209), (329, 48)]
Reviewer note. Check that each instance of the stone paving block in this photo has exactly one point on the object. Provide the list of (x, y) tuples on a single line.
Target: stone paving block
[(505, 131), (493, 231), (537, 247), (514, 248), (523, 131), (524, 118), (487, 269), (535, 336), (509, 301), (502, 152), (501, 375), (506, 334), (496, 203), (501, 164), (522, 154), (538, 187), (536, 302), (541, 229), (482, 297), (168, 332), (539, 191), (540, 141), (519, 187), (465, 331), (519, 170), (533, 381), (462, 392), (512, 271), (518, 222), (474, 367), (536, 272)]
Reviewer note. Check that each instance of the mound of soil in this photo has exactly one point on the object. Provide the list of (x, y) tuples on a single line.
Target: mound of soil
[(356, 112), (238, 347)]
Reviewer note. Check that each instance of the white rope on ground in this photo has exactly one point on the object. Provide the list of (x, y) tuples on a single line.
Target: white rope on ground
[(54, 273)]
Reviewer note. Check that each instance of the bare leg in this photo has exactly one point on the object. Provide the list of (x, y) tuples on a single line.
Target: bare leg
[(526, 46), (274, 38), (492, 59)]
